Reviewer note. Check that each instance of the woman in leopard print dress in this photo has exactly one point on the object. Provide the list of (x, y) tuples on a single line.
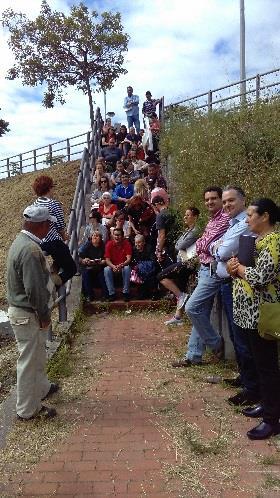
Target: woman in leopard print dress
[(253, 286)]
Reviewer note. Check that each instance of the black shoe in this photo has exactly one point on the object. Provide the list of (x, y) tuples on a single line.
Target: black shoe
[(185, 363), (156, 296), (243, 398), (126, 297), (44, 413), (253, 411), (112, 298), (53, 389), (233, 382), (263, 431)]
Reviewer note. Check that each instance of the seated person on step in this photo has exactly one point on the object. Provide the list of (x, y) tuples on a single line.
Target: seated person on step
[(106, 208), (94, 225), (119, 221), (175, 277), (118, 254), (92, 261), (116, 176), (143, 267), (102, 187)]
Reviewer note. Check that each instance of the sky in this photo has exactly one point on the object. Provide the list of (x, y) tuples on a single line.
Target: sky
[(177, 49)]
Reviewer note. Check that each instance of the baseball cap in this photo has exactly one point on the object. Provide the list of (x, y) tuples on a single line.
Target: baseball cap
[(38, 214)]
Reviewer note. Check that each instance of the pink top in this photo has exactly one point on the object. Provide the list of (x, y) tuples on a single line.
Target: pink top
[(215, 228)]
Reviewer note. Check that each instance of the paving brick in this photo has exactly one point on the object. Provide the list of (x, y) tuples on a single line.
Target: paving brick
[(103, 487), (62, 476), (75, 487), (50, 466), (79, 466), (39, 488), (73, 456)]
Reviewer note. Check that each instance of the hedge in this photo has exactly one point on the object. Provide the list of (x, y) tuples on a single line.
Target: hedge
[(240, 146)]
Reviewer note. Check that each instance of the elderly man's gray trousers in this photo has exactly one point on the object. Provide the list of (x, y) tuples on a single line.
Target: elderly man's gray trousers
[(32, 381)]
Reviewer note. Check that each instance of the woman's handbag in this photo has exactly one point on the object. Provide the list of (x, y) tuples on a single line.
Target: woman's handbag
[(189, 253), (134, 277), (269, 321)]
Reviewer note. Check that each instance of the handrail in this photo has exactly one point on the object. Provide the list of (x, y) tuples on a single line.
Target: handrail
[(210, 102), (28, 160), (77, 217)]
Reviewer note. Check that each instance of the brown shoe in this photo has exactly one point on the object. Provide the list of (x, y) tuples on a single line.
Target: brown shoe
[(185, 363)]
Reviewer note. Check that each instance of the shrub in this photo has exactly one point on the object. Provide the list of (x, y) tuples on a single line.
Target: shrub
[(239, 147)]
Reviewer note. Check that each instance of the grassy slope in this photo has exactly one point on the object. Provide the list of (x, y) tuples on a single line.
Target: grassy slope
[(16, 193)]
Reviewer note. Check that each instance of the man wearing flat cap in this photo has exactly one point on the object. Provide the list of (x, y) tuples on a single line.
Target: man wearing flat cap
[(30, 292)]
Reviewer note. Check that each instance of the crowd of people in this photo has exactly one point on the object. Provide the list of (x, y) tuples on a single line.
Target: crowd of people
[(130, 241)]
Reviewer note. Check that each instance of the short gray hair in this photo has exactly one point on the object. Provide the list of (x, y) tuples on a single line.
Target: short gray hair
[(237, 189), (139, 237)]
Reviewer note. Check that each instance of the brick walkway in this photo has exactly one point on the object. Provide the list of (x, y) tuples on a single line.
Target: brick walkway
[(122, 453), (119, 449)]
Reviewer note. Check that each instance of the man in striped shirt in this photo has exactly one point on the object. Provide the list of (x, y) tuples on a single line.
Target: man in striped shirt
[(199, 305), (150, 105)]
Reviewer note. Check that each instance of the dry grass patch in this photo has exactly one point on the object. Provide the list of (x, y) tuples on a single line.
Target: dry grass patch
[(8, 358), (16, 193), (205, 432), (22, 452)]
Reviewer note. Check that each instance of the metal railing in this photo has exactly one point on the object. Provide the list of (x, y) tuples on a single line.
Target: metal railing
[(68, 149), (77, 217), (261, 86)]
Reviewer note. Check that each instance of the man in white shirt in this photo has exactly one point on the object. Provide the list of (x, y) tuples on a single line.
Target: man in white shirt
[(227, 246)]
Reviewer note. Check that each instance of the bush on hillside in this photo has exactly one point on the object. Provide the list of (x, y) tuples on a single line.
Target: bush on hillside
[(239, 147)]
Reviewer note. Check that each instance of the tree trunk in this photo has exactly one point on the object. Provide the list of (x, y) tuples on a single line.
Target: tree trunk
[(90, 101)]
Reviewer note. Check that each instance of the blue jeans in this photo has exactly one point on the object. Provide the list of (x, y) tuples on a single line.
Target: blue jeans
[(198, 308), (240, 340), (134, 120), (89, 279), (109, 279)]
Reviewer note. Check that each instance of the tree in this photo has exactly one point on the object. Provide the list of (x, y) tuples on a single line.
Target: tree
[(83, 50), (3, 127)]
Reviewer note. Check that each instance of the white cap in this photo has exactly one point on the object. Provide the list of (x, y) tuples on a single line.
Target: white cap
[(38, 214)]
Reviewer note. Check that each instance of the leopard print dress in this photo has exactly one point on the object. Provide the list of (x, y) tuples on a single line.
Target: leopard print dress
[(260, 284)]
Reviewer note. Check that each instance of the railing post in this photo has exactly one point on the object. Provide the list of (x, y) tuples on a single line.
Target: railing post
[(20, 163), (62, 308), (34, 160), (68, 149), (161, 110), (50, 154), (210, 101), (8, 167), (50, 334), (258, 85)]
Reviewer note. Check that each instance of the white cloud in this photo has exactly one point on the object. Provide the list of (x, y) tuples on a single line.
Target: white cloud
[(177, 49)]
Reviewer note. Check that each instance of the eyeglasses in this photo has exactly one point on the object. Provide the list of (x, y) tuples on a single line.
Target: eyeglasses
[(103, 181)]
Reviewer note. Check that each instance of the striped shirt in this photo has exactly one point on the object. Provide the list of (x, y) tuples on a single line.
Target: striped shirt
[(215, 228), (149, 106), (55, 209)]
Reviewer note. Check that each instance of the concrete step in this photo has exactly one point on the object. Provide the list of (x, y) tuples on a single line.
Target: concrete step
[(132, 305)]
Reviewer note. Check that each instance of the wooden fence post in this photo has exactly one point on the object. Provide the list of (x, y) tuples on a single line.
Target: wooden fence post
[(68, 149), (34, 160)]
